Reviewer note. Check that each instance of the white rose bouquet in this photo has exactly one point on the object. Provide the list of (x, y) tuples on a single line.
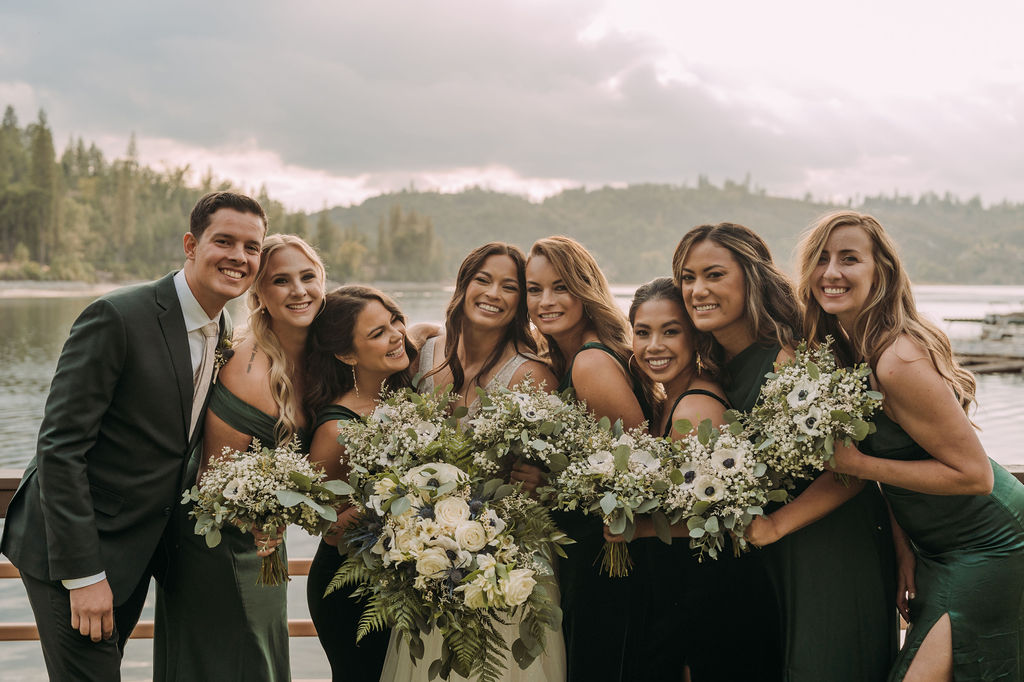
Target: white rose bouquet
[(264, 490), (434, 548), (528, 424), (808, 405), (405, 429), (619, 476), (717, 486)]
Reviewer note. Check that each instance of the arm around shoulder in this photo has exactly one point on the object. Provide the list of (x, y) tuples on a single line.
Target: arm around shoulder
[(603, 384)]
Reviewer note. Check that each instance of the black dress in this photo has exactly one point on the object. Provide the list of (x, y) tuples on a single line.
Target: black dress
[(336, 616)]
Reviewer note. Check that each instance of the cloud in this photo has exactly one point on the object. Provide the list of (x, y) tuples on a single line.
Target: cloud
[(330, 99)]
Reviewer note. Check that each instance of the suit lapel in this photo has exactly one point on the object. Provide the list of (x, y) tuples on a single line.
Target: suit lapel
[(172, 324)]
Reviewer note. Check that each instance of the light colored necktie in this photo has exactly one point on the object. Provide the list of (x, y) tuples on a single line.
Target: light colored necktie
[(204, 375)]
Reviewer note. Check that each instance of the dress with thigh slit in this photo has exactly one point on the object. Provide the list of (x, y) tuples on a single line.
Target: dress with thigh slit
[(970, 564)]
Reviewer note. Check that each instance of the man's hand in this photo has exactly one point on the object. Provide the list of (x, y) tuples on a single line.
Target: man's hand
[(92, 610)]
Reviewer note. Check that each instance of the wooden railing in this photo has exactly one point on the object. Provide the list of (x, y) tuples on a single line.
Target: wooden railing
[(19, 632)]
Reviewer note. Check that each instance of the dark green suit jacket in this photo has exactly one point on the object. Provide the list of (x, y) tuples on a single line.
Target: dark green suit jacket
[(112, 446)]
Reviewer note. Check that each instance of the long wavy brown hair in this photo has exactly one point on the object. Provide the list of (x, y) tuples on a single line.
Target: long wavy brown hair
[(770, 305), (583, 278), (517, 333), (332, 333), (282, 387), (889, 311)]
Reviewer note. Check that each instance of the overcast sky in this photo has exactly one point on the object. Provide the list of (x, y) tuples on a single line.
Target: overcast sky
[(328, 101)]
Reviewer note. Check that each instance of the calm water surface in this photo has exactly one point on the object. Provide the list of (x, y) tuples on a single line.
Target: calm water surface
[(33, 330)]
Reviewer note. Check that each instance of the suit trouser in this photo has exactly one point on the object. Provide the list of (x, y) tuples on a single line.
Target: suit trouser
[(69, 655)]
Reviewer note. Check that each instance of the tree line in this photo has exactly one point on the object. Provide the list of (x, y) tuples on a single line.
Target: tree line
[(81, 216)]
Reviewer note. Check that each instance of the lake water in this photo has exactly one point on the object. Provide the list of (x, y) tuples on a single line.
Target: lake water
[(33, 330)]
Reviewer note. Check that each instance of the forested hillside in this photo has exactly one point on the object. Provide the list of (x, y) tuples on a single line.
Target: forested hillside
[(78, 215)]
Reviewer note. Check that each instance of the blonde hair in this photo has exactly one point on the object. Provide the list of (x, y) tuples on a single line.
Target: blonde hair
[(889, 311), (770, 306), (282, 389), (583, 278)]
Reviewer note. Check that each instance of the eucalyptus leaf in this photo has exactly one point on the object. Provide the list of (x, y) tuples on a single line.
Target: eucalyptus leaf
[(621, 455), (289, 498), (400, 506), (608, 503), (829, 444), (539, 445), (301, 481), (760, 469), (213, 537), (711, 525), (860, 429), (659, 486), (736, 428), (682, 426), (460, 411), (521, 654), (557, 461), (605, 423), (704, 431), (676, 476), (778, 495), (617, 524), (547, 428), (646, 506), (697, 532), (504, 491), (491, 486), (840, 416), (661, 527), (446, 488), (813, 371), (339, 487), (874, 395), (695, 522)]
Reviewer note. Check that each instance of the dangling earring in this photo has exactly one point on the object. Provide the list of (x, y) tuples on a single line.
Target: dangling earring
[(355, 382), (700, 365)]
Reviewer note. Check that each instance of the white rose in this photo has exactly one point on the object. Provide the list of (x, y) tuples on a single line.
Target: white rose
[(518, 586), (471, 535), (408, 541), (432, 561), (485, 561), (451, 511), (474, 595), (384, 487), (802, 394)]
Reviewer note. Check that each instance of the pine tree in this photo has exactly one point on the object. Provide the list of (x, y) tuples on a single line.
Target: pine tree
[(43, 179)]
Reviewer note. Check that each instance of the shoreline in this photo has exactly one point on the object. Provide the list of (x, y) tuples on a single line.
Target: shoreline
[(32, 289)]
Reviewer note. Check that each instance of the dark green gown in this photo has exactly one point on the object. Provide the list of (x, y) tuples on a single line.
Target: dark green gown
[(336, 616), (597, 609), (970, 564), (213, 622), (834, 579)]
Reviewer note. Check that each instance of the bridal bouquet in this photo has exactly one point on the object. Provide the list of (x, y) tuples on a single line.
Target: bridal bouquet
[(718, 485), (264, 490), (405, 429), (619, 476), (526, 423), (435, 548), (808, 405)]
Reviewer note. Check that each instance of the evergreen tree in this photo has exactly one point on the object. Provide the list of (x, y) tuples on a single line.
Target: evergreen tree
[(43, 179)]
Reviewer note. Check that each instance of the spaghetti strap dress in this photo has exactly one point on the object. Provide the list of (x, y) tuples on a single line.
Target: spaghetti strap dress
[(970, 564), (336, 616), (599, 613), (398, 666), (834, 580), (213, 622)]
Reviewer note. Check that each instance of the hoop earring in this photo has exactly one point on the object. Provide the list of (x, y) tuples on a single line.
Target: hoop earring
[(355, 382), (700, 364), (633, 361)]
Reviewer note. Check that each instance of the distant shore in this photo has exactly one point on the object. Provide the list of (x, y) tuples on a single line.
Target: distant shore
[(60, 289)]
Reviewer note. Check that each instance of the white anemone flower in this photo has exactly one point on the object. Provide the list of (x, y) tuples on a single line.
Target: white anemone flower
[(601, 462), (689, 472), (708, 488), (808, 421), (803, 394), (727, 459), (426, 432), (645, 460), (442, 472), (234, 489)]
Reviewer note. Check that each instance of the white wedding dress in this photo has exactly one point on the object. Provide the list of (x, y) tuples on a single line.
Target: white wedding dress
[(549, 666)]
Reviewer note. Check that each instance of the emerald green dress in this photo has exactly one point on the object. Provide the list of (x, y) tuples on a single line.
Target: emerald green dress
[(213, 622), (970, 564), (597, 609), (835, 580)]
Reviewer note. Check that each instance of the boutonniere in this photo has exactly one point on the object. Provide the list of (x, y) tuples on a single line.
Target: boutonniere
[(221, 355)]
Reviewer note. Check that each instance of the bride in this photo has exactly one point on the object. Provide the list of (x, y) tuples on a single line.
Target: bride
[(486, 342)]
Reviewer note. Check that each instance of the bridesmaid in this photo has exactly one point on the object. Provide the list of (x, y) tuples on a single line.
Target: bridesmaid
[(356, 347), (963, 512), (833, 617), (486, 343), (213, 621), (663, 350), (588, 341)]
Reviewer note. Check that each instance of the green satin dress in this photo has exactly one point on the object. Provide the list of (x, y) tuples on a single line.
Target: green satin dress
[(970, 564), (213, 622), (835, 580)]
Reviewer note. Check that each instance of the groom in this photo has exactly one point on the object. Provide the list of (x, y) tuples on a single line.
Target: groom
[(124, 411)]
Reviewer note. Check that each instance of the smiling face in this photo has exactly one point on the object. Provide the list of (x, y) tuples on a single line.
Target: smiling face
[(222, 263), (661, 340), (292, 290), (492, 295), (552, 308), (714, 289), (378, 341), (843, 278)]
